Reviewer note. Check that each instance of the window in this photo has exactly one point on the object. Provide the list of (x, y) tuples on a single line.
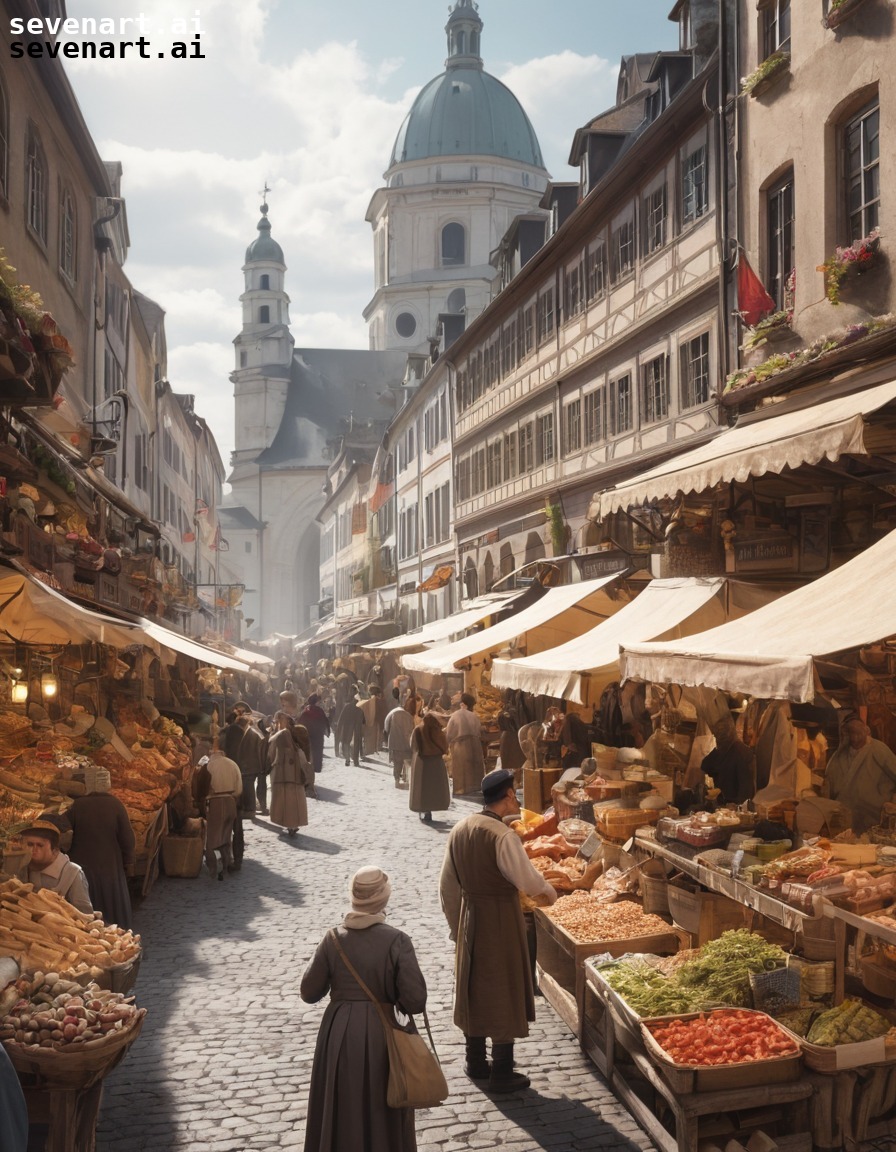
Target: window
[(478, 477), (528, 329), (68, 237), (694, 376), (573, 294), (407, 532), (248, 546), (776, 30), (781, 253), (545, 315), (244, 358), (405, 325), (462, 479), (453, 245), (621, 403), (693, 186), (572, 420), (862, 141), (36, 186), (544, 438), (264, 314), (654, 220), (596, 271), (508, 348), (595, 416), (509, 456), (4, 141), (622, 244), (654, 391), (494, 472), (526, 442)]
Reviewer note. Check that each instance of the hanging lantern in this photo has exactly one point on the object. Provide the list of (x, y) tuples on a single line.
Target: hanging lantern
[(19, 693), (49, 685)]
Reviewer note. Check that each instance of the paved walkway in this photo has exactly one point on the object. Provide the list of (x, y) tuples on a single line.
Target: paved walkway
[(224, 1059)]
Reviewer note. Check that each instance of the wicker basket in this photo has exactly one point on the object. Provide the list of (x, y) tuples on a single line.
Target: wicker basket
[(182, 855), (73, 1067)]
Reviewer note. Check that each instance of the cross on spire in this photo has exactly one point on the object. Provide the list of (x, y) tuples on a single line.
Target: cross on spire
[(264, 195)]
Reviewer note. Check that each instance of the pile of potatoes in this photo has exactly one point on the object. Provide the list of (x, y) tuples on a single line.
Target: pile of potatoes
[(44, 1010)]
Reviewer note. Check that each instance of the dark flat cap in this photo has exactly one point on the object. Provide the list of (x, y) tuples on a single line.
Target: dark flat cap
[(496, 783)]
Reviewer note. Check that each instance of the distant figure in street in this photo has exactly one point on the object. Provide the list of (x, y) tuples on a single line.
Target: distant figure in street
[(350, 730), (463, 731), (347, 1110), (371, 737), (243, 743), (104, 846), (429, 776), (218, 786), (317, 725), (290, 772), (512, 756), (398, 726)]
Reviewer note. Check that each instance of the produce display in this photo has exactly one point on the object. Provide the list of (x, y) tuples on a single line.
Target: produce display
[(726, 1036), (46, 1011), (717, 973), (40, 928), (587, 919), (849, 1023)]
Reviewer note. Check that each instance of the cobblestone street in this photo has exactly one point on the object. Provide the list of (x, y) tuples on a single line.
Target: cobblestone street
[(224, 1060)]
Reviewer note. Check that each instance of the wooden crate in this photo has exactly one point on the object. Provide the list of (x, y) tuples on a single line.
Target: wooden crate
[(705, 915), (537, 785)]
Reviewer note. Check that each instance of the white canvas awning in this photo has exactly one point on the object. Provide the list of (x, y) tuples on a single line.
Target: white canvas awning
[(256, 659), (581, 668), (560, 614), (437, 630), (771, 653), (33, 613), (188, 647), (825, 431)]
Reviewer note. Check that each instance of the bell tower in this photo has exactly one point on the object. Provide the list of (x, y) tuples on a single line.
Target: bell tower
[(264, 347)]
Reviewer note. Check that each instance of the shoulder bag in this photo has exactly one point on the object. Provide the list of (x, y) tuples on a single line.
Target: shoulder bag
[(416, 1079)]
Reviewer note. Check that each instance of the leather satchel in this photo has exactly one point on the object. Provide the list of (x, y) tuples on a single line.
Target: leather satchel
[(416, 1079)]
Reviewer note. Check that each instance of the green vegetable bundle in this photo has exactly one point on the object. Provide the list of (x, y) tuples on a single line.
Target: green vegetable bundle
[(647, 991), (849, 1023), (722, 968)]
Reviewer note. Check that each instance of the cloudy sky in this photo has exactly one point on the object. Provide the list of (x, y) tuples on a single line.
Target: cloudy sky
[(308, 96)]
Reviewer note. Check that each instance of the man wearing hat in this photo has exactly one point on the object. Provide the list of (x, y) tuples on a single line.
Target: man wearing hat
[(861, 774), (484, 870), (50, 868)]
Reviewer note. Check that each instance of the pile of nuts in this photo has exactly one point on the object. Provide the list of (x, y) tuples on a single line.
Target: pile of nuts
[(50, 1012), (587, 919)]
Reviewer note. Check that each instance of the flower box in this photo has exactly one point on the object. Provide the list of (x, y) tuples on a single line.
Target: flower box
[(769, 72), (841, 13), (858, 257)]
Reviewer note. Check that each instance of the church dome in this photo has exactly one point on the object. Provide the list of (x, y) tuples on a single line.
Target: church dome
[(465, 111), (264, 247)]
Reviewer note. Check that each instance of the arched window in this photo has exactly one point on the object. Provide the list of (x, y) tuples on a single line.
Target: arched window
[(457, 301), (68, 236), (264, 314), (461, 43), (474, 43), (36, 184), (265, 281), (4, 141), (453, 245)]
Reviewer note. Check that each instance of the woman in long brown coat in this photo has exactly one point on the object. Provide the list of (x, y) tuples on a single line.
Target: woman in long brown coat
[(429, 790), (347, 1107), (289, 757)]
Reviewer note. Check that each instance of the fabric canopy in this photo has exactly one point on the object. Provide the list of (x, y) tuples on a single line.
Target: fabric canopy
[(188, 647), (437, 630), (581, 668), (258, 659), (560, 614), (827, 430), (33, 613), (771, 653)]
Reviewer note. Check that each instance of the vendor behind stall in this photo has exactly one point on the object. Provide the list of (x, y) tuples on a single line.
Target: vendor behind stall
[(861, 774), (731, 764), (50, 868)]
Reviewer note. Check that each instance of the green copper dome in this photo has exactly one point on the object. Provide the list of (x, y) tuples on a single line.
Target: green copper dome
[(465, 111), (264, 248)]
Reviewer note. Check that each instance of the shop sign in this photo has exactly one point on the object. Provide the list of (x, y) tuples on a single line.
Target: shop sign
[(775, 554), (597, 564)]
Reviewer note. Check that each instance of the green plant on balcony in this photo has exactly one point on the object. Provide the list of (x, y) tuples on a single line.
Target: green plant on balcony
[(840, 10), (771, 66), (558, 528), (769, 329), (853, 260)]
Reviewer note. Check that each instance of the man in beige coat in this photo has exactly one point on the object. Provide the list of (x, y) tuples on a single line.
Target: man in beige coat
[(484, 871)]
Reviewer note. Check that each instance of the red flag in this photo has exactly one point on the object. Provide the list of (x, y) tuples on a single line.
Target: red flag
[(753, 302)]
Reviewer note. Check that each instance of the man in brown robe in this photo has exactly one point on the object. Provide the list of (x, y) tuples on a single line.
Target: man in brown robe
[(484, 871)]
